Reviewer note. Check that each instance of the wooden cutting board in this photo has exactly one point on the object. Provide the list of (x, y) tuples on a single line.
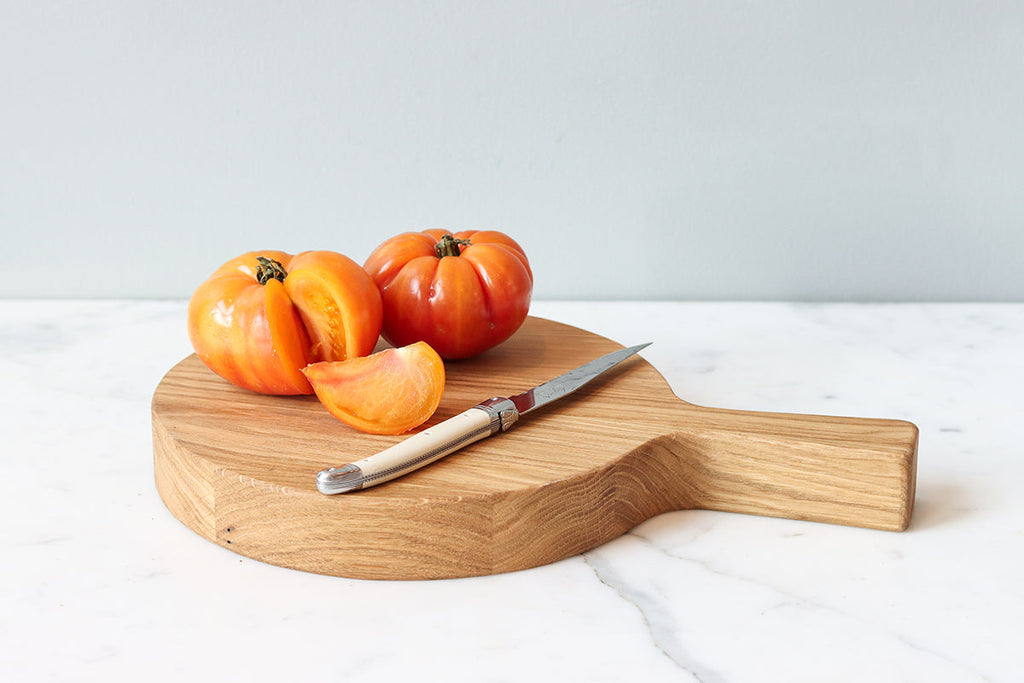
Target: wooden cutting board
[(239, 468)]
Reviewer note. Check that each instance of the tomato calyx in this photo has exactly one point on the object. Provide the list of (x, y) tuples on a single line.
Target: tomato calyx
[(268, 270), (450, 246)]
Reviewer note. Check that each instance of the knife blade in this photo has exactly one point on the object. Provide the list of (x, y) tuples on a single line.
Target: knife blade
[(482, 420)]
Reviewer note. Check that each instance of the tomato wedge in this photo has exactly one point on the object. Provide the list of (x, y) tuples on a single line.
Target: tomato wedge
[(389, 392)]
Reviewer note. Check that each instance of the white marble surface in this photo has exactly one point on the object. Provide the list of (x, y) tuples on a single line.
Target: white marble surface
[(99, 582)]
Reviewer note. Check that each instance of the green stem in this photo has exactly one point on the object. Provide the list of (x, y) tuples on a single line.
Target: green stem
[(449, 246), (269, 269)]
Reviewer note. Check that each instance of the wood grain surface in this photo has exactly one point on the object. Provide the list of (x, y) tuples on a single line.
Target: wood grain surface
[(239, 468)]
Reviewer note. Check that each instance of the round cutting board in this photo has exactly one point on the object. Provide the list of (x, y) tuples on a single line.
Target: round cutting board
[(239, 468)]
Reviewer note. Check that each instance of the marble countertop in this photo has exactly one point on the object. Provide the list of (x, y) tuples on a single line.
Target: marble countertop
[(100, 582)]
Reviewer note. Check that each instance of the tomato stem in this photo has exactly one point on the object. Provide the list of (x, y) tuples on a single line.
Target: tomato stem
[(268, 270), (449, 246)]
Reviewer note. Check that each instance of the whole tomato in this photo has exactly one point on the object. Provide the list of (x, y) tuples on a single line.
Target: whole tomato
[(462, 293), (262, 317)]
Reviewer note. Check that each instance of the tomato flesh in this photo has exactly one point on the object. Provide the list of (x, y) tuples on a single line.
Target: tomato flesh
[(389, 392)]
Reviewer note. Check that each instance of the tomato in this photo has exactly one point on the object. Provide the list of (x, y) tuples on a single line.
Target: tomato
[(389, 392), (259, 319), (462, 293)]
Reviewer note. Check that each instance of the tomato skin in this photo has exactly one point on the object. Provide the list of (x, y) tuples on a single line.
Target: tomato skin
[(459, 305), (259, 337)]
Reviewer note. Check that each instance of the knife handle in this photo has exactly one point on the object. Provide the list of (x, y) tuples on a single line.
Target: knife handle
[(480, 421)]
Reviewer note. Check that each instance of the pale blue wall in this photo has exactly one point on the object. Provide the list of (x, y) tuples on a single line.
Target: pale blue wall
[(667, 150)]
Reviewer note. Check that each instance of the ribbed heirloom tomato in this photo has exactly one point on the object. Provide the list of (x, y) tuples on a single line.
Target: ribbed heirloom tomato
[(262, 317), (462, 293)]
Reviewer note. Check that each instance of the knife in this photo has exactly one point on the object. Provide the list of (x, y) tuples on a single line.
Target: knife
[(482, 420)]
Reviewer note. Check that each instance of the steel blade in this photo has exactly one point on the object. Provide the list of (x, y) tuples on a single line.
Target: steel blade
[(571, 381)]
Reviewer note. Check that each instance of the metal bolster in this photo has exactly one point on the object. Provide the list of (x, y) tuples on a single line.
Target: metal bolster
[(340, 479), (502, 411)]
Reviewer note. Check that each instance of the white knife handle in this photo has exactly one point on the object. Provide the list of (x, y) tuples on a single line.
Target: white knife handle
[(421, 449)]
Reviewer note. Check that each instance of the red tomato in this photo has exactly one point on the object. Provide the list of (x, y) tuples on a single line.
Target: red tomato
[(262, 317), (461, 293)]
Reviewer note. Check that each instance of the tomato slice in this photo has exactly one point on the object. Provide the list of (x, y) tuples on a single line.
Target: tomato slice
[(389, 392)]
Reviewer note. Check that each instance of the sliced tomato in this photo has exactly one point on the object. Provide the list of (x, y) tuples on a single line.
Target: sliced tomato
[(261, 317), (389, 392)]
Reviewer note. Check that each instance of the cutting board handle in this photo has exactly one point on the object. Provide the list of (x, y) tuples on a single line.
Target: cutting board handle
[(839, 470)]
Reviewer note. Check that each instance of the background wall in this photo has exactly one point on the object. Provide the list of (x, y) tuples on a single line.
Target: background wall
[(657, 150)]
